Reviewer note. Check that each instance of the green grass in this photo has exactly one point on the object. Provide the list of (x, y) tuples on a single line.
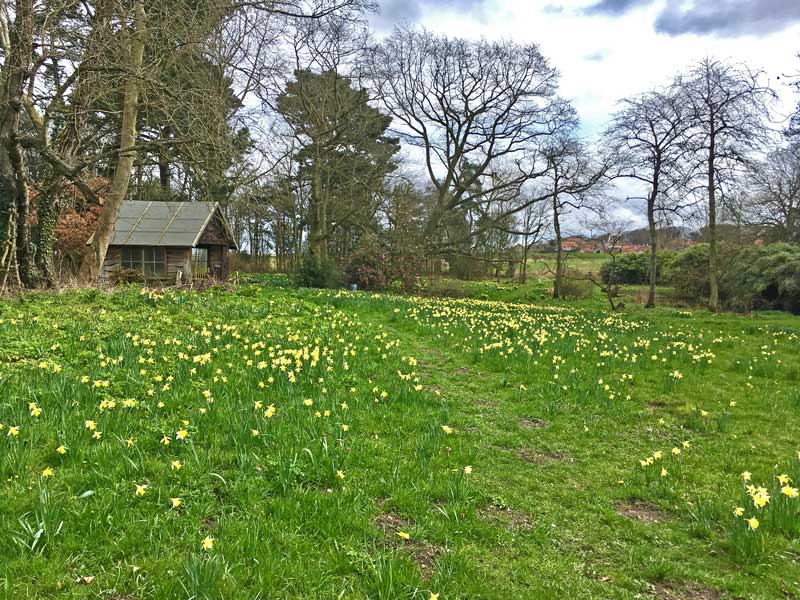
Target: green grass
[(554, 503)]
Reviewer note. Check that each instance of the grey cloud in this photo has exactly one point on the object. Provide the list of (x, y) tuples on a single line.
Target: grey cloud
[(393, 12), (614, 7), (729, 17)]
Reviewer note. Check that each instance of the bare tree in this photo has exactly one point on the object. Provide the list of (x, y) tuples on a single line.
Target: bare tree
[(465, 106), (729, 108), (773, 198), (647, 140), (532, 225), (573, 183), (610, 232)]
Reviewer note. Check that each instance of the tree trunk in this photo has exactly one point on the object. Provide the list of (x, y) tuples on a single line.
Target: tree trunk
[(318, 234), (47, 210), (14, 193), (651, 225), (713, 258), (164, 174), (524, 270), (559, 250), (122, 171)]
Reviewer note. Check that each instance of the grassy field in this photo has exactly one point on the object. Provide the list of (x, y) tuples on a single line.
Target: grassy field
[(278, 443)]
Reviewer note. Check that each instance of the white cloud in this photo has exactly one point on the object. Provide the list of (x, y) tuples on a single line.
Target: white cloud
[(605, 58)]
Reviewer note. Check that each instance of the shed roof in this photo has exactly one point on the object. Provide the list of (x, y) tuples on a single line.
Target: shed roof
[(164, 223)]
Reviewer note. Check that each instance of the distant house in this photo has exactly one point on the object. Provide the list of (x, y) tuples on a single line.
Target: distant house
[(577, 243), (572, 243), (634, 248), (170, 241)]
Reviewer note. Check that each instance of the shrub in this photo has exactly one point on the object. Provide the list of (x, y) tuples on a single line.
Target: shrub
[(368, 269), (406, 269), (634, 268), (687, 271), (575, 287), (316, 273), (764, 277), (626, 269), (374, 268), (125, 275)]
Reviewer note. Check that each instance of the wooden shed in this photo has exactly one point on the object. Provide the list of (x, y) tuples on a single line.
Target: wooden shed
[(171, 242)]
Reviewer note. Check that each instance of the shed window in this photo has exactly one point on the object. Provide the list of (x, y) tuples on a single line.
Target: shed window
[(200, 261), (151, 260)]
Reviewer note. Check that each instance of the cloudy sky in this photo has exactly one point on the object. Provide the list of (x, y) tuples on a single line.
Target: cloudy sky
[(610, 49), (607, 49)]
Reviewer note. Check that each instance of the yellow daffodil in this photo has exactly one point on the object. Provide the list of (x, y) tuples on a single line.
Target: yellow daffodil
[(175, 502), (752, 523), (403, 535), (207, 543), (47, 472), (141, 489)]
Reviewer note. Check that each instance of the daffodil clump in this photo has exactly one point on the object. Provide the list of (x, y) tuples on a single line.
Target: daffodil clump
[(773, 507)]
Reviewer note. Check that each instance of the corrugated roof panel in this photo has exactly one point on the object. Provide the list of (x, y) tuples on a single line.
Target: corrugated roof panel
[(160, 223), (144, 238)]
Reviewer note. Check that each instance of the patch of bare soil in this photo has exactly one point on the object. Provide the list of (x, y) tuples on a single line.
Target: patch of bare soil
[(462, 370), (532, 423), (506, 516), (424, 553), (684, 591), (390, 523), (639, 510), (541, 458), (654, 404)]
